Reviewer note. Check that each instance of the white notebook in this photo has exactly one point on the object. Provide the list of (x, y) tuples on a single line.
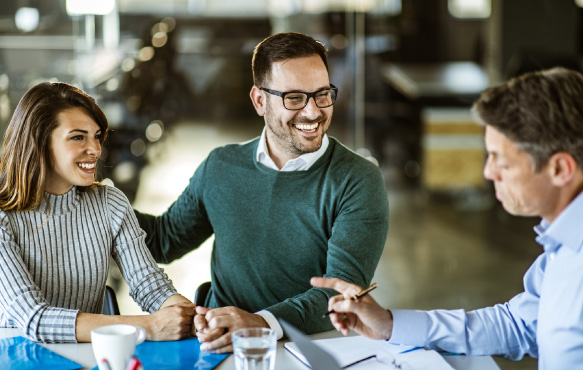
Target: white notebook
[(349, 351), (358, 352)]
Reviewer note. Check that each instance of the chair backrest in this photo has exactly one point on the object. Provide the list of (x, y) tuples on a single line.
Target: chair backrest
[(201, 293), (110, 306)]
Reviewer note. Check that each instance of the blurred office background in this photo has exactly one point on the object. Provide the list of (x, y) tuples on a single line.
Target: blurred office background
[(173, 76)]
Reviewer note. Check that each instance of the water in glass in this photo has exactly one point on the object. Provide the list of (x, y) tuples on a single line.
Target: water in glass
[(255, 354)]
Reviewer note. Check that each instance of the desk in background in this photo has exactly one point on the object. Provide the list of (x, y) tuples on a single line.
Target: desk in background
[(452, 82), (83, 354), (420, 91)]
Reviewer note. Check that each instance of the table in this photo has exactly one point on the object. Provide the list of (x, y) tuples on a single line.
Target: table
[(442, 80), (83, 355)]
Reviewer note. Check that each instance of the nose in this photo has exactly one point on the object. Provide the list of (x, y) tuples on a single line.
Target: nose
[(490, 171), (94, 147), (311, 110)]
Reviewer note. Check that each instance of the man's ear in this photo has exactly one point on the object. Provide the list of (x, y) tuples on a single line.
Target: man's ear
[(259, 100), (562, 167)]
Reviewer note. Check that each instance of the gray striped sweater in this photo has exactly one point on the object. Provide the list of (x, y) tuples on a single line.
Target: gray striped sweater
[(54, 262)]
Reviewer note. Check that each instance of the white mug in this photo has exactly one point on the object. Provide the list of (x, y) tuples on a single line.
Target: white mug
[(116, 344)]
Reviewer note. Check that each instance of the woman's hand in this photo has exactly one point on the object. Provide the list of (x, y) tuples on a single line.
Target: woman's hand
[(172, 322)]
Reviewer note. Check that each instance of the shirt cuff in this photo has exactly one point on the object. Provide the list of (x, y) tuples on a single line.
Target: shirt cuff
[(410, 328), (272, 322)]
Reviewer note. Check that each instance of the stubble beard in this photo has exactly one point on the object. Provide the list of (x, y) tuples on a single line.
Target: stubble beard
[(287, 138)]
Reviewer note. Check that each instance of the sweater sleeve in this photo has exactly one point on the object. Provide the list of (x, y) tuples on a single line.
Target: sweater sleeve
[(355, 246), (183, 227), (149, 285), (22, 302)]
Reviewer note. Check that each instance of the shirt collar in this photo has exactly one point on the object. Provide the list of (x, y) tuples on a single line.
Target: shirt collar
[(566, 230), (301, 163)]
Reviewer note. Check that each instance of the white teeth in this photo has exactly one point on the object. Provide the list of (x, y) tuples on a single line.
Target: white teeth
[(87, 166), (306, 127)]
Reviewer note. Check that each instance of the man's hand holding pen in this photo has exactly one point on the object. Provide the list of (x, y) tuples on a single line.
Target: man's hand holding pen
[(363, 314)]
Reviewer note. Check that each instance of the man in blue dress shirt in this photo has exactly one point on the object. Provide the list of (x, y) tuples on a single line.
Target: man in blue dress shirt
[(534, 140)]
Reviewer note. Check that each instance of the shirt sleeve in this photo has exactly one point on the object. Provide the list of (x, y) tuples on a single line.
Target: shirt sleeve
[(355, 246), (272, 322), (183, 227), (149, 285), (23, 303), (508, 329)]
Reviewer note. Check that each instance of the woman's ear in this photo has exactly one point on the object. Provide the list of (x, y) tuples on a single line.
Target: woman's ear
[(259, 100), (562, 168)]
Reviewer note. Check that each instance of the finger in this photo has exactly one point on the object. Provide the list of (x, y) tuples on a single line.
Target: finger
[(226, 349), (185, 305), (184, 311), (188, 308), (345, 288), (332, 301), (211, 335), (202, 310), (222, 341), (200, 323), (351, 306), (221, 311), (345, 324), (225, 322), (335, 318)]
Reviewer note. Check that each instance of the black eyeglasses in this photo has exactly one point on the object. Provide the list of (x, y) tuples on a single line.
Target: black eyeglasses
[(296, 100)]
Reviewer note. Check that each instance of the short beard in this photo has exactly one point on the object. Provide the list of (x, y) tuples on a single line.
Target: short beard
[(288, 141)]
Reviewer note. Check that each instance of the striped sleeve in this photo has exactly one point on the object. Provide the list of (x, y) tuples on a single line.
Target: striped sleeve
[(21, 300), (149, 285)]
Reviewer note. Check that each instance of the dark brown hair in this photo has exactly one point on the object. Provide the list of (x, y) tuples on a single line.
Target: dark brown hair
[(542, 112), (282, 46), (25, 159)]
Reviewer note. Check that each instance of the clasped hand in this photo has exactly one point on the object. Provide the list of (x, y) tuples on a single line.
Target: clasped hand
[(172, 322), (214, 326)]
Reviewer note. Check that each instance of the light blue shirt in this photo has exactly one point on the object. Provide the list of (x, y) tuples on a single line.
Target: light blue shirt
[(544, 321)]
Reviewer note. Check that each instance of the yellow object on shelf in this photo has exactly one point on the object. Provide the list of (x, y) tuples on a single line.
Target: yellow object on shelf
[(452, 150)]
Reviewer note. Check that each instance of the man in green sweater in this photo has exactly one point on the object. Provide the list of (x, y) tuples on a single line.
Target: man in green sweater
[(291, 204)]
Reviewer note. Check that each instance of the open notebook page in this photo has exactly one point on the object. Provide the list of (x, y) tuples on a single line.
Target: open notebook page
[(350, 350)]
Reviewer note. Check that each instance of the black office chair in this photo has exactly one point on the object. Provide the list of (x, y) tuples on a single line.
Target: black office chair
[(110, 306), (201, 293)]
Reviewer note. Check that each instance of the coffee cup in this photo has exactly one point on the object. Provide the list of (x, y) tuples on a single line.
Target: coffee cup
[(115, 344)]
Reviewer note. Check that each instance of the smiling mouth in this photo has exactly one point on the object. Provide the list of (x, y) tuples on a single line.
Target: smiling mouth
[(86, 165), (307, 127)]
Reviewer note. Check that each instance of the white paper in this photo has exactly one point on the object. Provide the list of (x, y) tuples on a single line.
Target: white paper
[(350, 350)]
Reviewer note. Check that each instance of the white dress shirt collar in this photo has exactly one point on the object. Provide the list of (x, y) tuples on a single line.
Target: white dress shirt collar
[(301, 163)]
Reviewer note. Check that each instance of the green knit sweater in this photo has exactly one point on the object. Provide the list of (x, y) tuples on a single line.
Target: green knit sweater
[(275, 230)]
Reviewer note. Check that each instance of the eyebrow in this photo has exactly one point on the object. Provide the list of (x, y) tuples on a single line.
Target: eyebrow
[(318, 89), (83, 131)]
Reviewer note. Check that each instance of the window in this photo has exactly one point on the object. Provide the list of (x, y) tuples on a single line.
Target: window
[(470, 8)]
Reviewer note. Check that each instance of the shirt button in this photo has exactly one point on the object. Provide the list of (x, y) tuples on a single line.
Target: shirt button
[(552, 255)]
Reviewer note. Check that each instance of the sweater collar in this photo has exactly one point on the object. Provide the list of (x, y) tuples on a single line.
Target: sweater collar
[(60, 204)]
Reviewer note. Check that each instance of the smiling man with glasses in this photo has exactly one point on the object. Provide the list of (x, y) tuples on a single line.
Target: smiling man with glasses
[(289, 205)]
